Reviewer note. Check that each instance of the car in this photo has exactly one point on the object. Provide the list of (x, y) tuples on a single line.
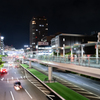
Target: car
[(16, 66), (17, 85), (3, 70)]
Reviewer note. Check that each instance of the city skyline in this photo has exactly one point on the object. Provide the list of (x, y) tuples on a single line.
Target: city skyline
[(67, 16)]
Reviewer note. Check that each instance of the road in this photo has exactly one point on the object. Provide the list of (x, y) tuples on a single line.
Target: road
[(86, 83), (29, 91)]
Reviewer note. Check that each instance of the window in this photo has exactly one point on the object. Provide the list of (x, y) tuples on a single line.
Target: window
[(33, 22), (46, 28), (46, 23), (33, 33), (40, 25), (33, 43), (36, 29), (63, 45), (82, 40), (63, 39), (41, 39)]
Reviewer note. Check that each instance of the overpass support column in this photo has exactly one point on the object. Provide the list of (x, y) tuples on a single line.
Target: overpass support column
[(71, 54), (22, 60), (49, 73), (63, 51), (29, 64), (96, 46), (81, 51), (57, 52)]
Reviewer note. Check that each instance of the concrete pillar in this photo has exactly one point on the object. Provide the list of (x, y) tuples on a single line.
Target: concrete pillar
[(22, 60), (96, 53), (30, 64), (49, 73), (81, 51), (52, 52), (81, 54), (19, 63), (71, 52), (57, 52), (63, 51)]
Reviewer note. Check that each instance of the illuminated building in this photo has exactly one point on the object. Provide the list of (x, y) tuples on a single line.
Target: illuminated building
[(38, 30)]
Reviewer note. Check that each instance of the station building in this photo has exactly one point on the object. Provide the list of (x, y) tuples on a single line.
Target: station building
[(66, 39)]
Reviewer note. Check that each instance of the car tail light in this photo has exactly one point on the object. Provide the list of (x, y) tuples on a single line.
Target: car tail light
[(3, 70)]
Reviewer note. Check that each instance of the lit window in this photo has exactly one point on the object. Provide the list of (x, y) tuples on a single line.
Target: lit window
[(46, 28), (33, 33), (42, 35), (33, 43), (42, 25), (36, 29), (46, 23), (63, 39), (41, 39), (63, 45), (44, 19), (33, 22)]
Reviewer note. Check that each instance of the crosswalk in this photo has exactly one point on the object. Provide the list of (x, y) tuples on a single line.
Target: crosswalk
[(13, 78)]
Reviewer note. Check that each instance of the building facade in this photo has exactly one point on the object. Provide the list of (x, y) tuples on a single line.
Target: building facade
[(72, 39), (38, 30)]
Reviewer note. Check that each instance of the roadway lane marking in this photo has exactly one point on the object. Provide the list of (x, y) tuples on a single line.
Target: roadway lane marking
[(12, 78), (71, 76), (17, 79), (2, 79), (96, 84), (91, 87), (28, 93), (7, 80), (63, 76), (12, 95)]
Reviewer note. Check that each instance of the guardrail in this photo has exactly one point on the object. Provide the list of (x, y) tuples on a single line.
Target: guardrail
[(59, 97), (83, 61)]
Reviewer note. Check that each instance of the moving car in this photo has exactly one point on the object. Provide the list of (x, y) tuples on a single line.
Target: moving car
[(3, 70), (17, 85)]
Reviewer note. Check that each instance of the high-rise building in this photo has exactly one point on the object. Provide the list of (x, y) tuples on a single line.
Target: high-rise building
[(38, 30)]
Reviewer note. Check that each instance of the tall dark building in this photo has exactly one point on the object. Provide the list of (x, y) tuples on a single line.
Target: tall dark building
[(38, 30)]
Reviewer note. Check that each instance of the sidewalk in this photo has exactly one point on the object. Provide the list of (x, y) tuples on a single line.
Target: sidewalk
[(94, 72)]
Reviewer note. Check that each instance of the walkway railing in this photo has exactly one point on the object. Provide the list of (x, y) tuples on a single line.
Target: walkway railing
[(85, 61)]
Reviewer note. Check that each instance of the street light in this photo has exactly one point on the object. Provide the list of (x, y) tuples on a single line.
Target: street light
[(2, 45), (2, 38)]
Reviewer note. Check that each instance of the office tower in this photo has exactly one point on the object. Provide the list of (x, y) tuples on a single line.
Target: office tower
[(38, 30)]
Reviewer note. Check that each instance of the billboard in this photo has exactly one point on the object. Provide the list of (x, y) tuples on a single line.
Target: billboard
[(43, 43)]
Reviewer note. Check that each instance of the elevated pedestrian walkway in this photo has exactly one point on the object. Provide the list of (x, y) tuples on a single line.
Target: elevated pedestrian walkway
[(94, 72)]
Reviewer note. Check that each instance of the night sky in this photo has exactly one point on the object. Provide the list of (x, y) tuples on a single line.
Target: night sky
[(67, 16)]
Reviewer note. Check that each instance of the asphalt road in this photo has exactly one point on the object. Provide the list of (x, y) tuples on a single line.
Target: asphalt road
[(86, 83), (29, 91)]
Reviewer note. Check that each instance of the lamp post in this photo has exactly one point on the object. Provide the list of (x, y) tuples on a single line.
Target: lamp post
[(2, 45)]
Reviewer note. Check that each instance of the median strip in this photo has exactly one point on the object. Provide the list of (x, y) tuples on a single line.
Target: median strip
[(62, 90)]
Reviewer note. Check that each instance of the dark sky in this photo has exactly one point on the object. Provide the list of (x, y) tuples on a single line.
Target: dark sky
[(68, 16)]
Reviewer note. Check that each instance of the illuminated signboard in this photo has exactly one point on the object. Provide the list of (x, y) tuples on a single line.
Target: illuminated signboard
[(43, 43)]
